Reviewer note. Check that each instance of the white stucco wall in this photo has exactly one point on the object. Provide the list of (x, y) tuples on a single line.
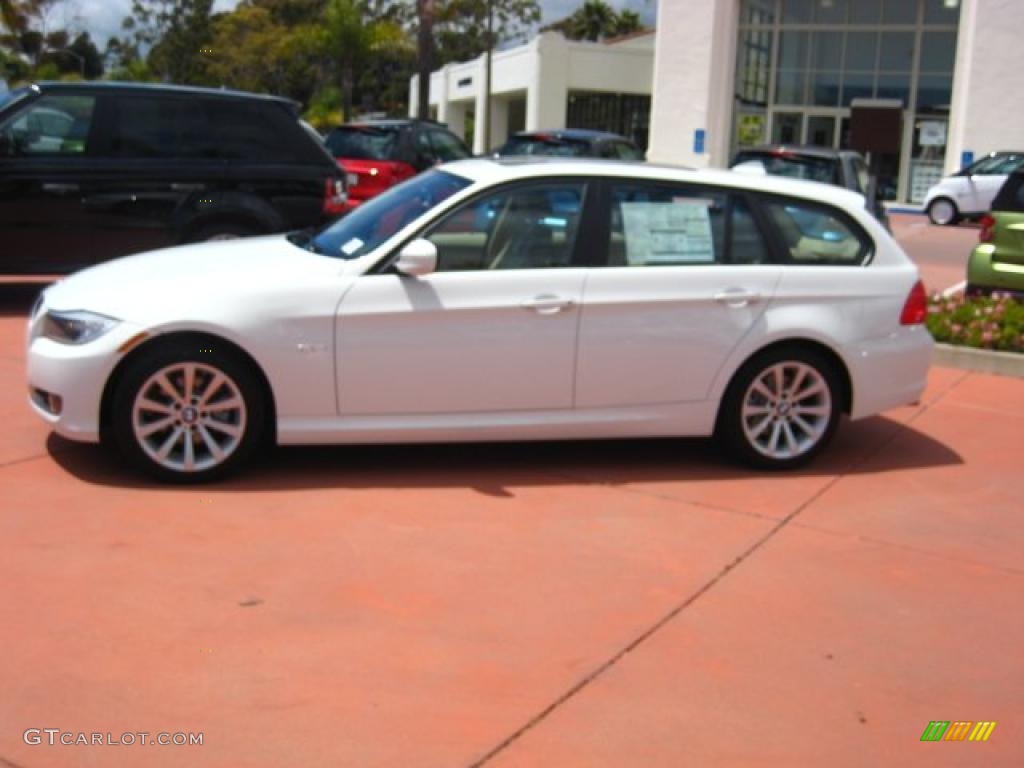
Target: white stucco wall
[(987, 112), (694, 65), (544, 71)]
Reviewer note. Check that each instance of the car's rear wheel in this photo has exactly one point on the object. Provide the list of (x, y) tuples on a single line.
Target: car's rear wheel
[(943, 211), (188, 412), (781, 408)]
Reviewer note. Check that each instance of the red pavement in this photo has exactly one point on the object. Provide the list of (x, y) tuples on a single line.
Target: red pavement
[(640, 603)]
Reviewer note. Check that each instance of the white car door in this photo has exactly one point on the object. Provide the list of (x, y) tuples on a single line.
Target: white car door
[(682, 288), (493, 329)]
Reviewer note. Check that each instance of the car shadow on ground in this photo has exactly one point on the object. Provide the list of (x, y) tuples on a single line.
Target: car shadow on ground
[(878, 444), (17, 297)]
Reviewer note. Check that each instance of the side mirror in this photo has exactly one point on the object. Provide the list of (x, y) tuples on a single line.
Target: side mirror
[(417, 258)]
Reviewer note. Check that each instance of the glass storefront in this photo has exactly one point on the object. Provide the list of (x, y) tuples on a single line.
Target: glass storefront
[(803, 64), (626, 114)]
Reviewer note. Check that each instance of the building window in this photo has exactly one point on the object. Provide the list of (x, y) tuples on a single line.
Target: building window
[(626, 114)]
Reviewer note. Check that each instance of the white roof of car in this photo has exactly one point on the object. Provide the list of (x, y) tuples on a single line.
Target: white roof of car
[(489, 170)]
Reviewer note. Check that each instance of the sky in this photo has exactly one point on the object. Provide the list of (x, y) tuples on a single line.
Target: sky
[(102, 18)]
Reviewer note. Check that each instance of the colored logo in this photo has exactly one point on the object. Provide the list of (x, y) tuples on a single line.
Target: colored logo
[(944, 730)]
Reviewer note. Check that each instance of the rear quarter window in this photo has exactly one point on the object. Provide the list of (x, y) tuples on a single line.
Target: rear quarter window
[(1011, 195), (817, 235), (260, 132)]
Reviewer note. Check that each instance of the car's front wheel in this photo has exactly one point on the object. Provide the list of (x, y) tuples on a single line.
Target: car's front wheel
[(187, 411), (943, 211), (781, 408)]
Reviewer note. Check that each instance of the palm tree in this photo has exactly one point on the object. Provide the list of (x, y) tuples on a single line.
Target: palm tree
[(594, 20)]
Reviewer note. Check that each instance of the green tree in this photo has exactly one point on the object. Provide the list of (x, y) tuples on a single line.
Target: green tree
[(461, 26), (175, 32)]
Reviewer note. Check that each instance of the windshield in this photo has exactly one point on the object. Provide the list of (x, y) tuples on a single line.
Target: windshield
[(544, 145), (375, 221), (794, 166), (362, 143)]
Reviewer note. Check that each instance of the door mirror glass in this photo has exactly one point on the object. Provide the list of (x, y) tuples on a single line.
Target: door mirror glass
[(418, 258)]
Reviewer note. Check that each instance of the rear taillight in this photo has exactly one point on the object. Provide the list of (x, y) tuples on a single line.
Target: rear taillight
[(988, 224), (915, 308), (335, 196)]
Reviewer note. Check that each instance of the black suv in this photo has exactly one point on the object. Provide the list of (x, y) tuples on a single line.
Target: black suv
[(840, 167), (91, 171)]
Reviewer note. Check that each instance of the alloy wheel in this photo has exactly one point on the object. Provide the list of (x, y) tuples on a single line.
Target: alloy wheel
[(786, 410), (189, 417)]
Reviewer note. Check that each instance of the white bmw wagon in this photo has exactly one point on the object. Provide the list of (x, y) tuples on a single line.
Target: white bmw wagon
[(497, 300)]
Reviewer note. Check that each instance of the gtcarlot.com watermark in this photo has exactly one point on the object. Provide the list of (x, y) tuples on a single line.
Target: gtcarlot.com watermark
[(55, 736)]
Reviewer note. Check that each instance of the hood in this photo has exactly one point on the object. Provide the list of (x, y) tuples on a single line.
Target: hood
[(172, 282)]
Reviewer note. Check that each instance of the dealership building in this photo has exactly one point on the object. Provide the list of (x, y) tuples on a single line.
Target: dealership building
[(938, 78)]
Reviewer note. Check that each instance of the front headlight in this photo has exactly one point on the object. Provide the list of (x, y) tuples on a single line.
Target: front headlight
[(76, 326)]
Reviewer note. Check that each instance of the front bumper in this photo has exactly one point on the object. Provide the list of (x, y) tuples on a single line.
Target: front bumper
[(77, 375)]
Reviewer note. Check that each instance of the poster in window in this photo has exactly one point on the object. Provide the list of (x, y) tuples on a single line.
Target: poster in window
[(677, 232)]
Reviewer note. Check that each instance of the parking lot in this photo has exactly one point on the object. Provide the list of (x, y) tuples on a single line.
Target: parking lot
[(629, 603)]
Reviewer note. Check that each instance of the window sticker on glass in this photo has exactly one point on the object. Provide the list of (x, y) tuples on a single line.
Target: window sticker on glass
[(668, 233), (352, 246)]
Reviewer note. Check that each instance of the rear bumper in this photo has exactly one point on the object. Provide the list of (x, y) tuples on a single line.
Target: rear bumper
[(890, 371), (986, 275)]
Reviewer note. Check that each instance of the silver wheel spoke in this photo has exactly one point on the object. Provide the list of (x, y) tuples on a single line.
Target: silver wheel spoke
[(169, 443), (190, 382), (760, 428), (145, 404), (231, 404), (773, 441), (757, 410), (155, 426), (766, 393), (804, 426), (227, 429), (777, 380), (165, 384), (815, 388), (211, 388), (190, 453), (791, 443), (211, 444), (811, 410), (801, 374)]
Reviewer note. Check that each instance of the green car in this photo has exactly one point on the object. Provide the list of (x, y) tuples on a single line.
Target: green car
[(997, 262)]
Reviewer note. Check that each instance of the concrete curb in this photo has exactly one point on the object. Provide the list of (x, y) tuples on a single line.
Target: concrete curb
[(980, 360)]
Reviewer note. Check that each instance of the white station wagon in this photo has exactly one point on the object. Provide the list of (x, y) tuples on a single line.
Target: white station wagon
[(497, 300)]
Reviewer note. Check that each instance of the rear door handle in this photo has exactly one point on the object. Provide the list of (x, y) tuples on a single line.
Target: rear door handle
[(547, 304), (61, 189), (737, 297)]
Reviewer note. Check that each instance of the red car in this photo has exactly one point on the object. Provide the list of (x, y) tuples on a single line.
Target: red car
[(378, 154)]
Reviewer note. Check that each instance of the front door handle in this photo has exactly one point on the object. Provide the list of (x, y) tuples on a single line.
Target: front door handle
[(61, 189), (547, 304), (176, 187), (737, 297)]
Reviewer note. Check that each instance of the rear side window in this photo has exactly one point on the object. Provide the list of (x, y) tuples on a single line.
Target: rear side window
[(657, 224), (258, 131), (57, 124), (159, 127), (1011, 195), (794, 166), (817, 235)]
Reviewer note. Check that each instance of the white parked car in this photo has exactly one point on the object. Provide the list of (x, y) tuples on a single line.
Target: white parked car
[(969, 193), (497, 300)]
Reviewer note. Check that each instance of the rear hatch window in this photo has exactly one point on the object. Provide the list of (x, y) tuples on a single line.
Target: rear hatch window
[(810, 168), (545, 145), (363, 142)]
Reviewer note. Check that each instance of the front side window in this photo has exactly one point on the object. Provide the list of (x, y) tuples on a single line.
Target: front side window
[(57, 124), (815, 235), (522, 227)]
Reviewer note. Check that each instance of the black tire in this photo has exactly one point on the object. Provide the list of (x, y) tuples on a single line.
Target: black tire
[(227, 230), (935, 208), (204, 428), (737, 440)]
